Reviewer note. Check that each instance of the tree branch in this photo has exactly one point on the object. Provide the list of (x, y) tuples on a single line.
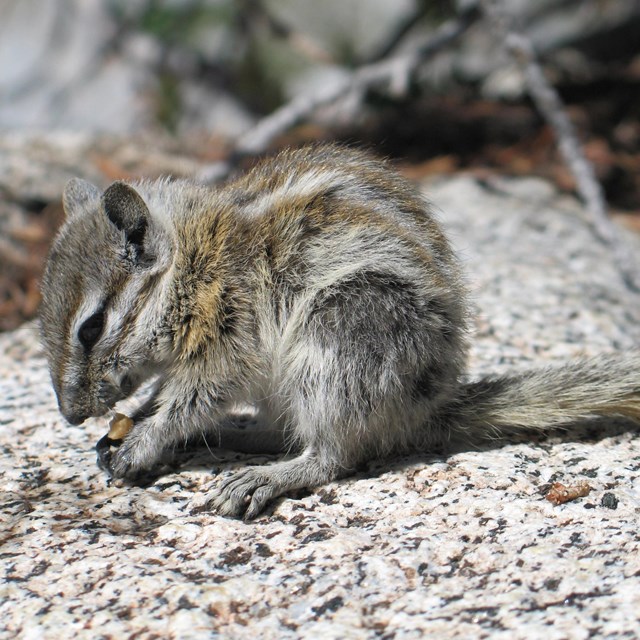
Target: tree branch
[(550, 105), (394, 73)]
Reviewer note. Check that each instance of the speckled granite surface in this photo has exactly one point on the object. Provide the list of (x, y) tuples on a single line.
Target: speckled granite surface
[(462, 547)]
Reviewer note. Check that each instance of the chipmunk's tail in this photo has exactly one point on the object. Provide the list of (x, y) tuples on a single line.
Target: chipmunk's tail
[(550, 397)]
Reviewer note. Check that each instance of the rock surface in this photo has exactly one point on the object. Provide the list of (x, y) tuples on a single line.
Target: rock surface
[(440, 547)]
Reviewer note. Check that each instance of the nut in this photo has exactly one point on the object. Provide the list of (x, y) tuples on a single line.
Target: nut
[(119, 426)]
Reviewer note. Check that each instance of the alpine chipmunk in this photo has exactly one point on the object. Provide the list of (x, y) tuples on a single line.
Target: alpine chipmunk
[(317, 287)]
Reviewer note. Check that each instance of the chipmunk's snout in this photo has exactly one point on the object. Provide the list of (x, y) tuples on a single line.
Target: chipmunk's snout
[(76, 406), (72, 413), (74, 418)]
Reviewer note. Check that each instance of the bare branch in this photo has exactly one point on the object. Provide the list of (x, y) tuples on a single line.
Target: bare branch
[(393, 73), (550, 105), (299, 41), (399, 34)]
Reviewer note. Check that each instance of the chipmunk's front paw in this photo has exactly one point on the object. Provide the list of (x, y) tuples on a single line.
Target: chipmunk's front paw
[(123, 464), (124, 461)]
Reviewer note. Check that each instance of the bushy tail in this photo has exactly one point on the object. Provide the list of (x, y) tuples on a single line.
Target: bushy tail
[(549, 397)]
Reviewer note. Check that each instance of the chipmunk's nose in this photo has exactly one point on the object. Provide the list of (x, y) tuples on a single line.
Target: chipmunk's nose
[(74, 418), (72, 414)]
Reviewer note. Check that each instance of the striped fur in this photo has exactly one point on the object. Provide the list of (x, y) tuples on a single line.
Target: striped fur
[(318, 287)]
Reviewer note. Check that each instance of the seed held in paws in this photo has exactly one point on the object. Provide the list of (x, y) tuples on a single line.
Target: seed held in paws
[(119, 426)]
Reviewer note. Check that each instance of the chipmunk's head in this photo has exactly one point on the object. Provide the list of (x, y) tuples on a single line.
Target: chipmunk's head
[(100, 314)]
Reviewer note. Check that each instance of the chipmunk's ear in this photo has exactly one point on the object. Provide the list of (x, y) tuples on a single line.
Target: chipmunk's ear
[(79, 196), (127, 211)]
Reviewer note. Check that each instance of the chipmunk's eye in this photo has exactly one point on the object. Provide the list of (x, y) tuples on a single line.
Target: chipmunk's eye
[(91, 329)]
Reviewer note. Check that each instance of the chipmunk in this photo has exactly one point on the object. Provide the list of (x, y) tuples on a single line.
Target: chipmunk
[(318, 287)]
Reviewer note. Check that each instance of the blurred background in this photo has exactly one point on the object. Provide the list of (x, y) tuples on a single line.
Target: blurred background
[(109, 89)]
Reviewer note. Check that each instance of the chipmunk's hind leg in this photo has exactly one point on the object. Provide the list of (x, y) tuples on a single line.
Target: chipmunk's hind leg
[(246, 493), (354, 382)]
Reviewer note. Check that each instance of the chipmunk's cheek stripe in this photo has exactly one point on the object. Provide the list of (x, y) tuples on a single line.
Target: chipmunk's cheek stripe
[(64, 341)]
